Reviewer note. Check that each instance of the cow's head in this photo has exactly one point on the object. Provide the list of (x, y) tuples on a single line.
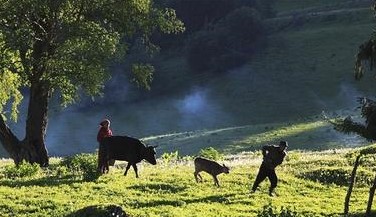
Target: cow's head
[(149, 154)]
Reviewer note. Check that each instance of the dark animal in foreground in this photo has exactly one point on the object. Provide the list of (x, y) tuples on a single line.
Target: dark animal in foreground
[(211, 167), (100, 210), (126, 149)]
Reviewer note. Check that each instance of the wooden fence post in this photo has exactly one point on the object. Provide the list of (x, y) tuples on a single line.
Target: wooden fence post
[(370, 199), (351, 186)]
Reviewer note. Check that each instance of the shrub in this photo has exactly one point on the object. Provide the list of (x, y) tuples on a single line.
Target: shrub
[(338, 176), (170, 157), (22, 170), (211, 153), (84, 165), (271, 211)]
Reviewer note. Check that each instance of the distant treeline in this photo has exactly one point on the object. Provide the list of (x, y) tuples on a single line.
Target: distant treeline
[(220, 34)]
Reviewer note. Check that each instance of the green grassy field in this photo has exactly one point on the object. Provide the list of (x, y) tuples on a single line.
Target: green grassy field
[(169, 189), (311, 182)]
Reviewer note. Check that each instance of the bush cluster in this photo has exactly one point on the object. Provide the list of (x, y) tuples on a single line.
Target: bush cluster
[(211, 153), (271, 211), (338, 176), (170, 157), (22, 170), (84, 165)]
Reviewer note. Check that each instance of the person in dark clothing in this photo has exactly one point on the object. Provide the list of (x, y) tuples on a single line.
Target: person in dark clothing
[(273, 156)]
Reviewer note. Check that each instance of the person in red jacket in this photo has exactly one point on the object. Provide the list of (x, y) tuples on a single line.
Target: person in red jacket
[(104, 131)]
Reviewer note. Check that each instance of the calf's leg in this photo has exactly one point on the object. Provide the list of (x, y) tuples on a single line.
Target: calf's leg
[(196, 174)]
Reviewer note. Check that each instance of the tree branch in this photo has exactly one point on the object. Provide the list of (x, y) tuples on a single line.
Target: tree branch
[(7, 138)]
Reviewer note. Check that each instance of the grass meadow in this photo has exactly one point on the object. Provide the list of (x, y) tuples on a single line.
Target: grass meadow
[(169, 189), (311, 183)]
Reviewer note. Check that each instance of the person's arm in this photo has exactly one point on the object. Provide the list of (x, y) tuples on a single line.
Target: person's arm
[(265, 150), (280, 159)]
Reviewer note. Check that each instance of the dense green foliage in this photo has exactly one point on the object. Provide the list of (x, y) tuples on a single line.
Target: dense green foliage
[(197, 14), (73, 42), (219, 37), (65, 49)]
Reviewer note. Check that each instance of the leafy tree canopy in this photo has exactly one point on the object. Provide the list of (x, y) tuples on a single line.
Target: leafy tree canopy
[(67, 45)]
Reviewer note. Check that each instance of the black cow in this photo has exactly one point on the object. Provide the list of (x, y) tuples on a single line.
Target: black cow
[(124, 148)]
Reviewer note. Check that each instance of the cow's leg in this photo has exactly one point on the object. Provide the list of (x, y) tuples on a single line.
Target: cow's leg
[(106, 167), (135, 169), (127, 168)]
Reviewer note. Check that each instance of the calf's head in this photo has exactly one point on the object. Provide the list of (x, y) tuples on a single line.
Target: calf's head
[(225, 169), (149, 154)]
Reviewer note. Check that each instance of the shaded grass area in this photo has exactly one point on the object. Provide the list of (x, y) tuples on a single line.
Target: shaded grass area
[(169, 189)]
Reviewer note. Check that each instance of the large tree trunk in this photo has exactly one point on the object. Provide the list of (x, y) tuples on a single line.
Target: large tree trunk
[(32, 148)]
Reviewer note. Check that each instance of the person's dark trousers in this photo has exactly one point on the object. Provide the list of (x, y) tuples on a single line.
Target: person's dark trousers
[(264, 172)]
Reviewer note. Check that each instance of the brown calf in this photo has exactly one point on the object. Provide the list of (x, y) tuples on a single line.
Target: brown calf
[(211, 167)]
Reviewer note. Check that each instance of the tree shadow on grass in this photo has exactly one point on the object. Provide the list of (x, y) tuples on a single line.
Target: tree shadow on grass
[(209, 199), (159, 187), (43, 182), (212, 199), (99, 211)]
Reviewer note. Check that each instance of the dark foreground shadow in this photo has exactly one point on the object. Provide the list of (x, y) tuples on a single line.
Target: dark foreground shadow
[(45, 181), (373, 213), (224, 199), (160, 187), (100, 211)]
